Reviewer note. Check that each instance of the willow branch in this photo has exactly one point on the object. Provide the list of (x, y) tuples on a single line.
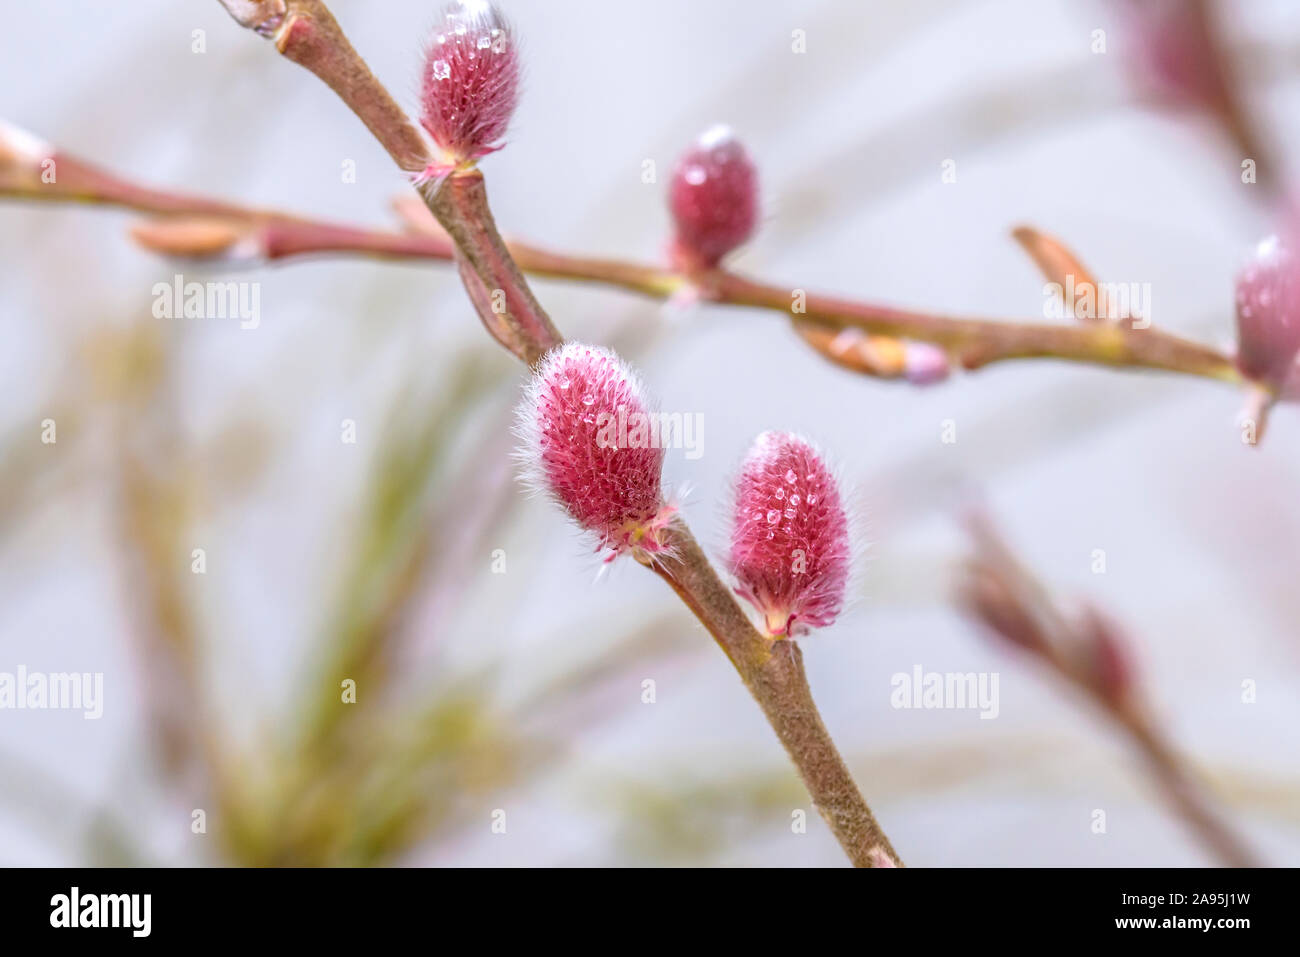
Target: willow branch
[(307, 33), (200, 227)]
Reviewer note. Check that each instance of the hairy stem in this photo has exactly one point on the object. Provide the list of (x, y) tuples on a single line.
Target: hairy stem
[(461, 205), (774, 673)]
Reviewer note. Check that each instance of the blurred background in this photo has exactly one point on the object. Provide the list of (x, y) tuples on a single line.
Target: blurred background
[(497, 681)]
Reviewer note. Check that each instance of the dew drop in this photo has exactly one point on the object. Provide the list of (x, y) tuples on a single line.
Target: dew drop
[(791, 477), (588, 399), (484, 42), (794, 498), (780, 493), (564, 383), (812, 498), (790, 513), (441, 69), (773, 517)]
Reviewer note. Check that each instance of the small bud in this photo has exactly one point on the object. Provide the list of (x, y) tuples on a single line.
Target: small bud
[(1268, 314), (582, 422), (470, 83), (218, 240), (713, 198), (790, 550), (925, 364)]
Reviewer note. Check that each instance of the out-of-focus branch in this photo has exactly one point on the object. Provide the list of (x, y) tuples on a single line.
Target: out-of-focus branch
[(1090, 652), (1180, 57), (978, 342)]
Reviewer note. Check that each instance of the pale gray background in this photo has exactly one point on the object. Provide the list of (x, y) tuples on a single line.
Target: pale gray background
[(1202, 535)]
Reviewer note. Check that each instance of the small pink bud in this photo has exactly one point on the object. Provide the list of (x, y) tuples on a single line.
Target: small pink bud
[(924, 364), (1268, 314), (790, 550), (470, 83), (713, 198), (583, 422)]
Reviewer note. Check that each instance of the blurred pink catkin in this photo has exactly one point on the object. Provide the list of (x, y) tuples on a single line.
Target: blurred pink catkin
[(1268, 313)]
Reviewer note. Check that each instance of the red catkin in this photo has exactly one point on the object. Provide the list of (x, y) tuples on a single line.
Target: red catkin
[(790, 549), (713, 199), (470, 83), (584, 423)]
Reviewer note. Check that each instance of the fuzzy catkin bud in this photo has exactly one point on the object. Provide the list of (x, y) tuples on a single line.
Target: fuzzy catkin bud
[(1268, 314), (470, 84), (713, 198), (585, 425), (790, 549)]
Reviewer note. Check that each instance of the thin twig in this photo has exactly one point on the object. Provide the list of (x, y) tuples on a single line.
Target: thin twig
[(205, 228)]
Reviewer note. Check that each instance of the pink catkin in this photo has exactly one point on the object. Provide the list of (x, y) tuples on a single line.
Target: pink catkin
[(1173, 52), (790, 548), (584, 443), (470, 83), (713, 198), (1268, 314)]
